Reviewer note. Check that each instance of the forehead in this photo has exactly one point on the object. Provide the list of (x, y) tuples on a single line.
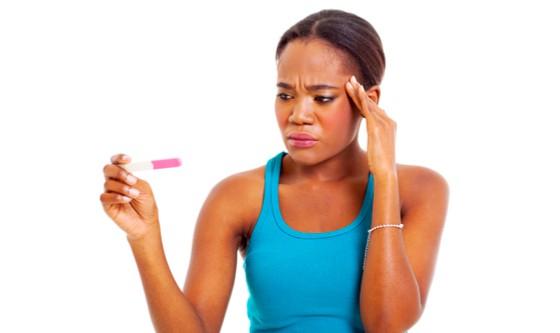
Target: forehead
[(311, 58)]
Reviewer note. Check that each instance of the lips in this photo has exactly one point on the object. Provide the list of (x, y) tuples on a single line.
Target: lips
[(302, 136)]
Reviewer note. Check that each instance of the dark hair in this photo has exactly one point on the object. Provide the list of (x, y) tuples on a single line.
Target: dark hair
[(347, 32)]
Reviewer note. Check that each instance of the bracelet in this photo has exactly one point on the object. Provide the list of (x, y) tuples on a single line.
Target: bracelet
[(400, 226)]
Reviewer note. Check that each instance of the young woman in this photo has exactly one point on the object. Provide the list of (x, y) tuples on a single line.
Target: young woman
[(334, 238)]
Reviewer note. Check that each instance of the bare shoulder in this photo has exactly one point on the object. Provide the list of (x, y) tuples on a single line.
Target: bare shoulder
[(423, 216), (241, 195), (218, 235), (419, 182)]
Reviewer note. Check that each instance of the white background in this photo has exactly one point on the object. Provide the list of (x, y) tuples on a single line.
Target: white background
[(472, 85)]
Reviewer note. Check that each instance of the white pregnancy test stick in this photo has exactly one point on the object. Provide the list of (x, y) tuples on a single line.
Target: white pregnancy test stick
[(152, 165)]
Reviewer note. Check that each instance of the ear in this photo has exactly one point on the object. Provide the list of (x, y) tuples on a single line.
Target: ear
[(374, 92)]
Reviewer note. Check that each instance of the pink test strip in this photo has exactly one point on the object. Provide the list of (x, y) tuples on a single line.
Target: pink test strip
[(167, 163), (153, 165)]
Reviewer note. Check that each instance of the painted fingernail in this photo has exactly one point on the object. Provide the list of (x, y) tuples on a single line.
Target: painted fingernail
[(133, 192), (131, 179)]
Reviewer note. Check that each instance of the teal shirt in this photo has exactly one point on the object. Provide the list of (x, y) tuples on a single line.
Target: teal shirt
[(302, 281)]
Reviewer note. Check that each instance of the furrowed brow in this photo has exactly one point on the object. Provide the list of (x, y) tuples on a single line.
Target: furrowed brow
[(313, 87)]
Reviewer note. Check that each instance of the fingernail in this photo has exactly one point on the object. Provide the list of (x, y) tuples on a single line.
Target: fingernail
[(131, 179), (126, 157), (133, 192), (354, 79)]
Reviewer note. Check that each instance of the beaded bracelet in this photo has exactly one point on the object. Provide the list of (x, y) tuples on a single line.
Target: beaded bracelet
[(386, 225), (400, 226)]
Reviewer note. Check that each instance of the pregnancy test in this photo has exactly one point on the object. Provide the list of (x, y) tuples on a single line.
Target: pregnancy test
[(152, 165)]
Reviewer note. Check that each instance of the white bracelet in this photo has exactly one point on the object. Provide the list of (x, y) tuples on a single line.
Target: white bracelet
[(400, 226)]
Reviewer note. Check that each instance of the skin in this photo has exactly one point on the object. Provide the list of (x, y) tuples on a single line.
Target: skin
[(326, 114), (333, 170), (400, 264)]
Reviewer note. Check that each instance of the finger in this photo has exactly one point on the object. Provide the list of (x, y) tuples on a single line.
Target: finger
[(372, 105), (359, 91), (375, 107), (352, 92), (378, 112), (114, 186), (113, 198), (368, 105), (120, 159), (119, 173), (363, 98)]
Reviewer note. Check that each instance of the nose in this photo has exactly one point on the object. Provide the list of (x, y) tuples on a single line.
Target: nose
[(302, 112)]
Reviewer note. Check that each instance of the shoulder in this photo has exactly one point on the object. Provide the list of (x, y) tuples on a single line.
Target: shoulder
[(240, 196), (419, 184)]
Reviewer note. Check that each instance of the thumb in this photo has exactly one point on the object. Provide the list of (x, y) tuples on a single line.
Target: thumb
[(120, 159)]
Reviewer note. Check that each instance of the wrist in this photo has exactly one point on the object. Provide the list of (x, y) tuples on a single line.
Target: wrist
[(384, 174), (151, 234), (385, 225)]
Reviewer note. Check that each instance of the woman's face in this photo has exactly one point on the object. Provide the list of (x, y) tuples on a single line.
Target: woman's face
[(325, 113)]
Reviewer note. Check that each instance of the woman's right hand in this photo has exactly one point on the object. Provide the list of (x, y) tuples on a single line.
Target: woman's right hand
[(136, 214)]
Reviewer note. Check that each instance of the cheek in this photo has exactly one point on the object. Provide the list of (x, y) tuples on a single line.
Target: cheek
[(342, 122), (281, 118), (344, 114), (338, 122), (279, 112)]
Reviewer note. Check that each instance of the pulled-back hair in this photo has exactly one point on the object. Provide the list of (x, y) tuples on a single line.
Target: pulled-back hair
[(347, 32)]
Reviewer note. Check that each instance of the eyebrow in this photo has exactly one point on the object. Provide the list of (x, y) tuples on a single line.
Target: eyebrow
[(311, 87)]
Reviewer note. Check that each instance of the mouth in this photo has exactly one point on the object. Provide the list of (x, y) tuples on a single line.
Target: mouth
[(301, 136), (298, 143)]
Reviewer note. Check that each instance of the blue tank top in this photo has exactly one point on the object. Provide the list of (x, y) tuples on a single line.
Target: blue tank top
[(304, 281)]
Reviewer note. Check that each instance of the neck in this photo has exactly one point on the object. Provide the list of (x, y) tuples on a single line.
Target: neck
[(348, 163)]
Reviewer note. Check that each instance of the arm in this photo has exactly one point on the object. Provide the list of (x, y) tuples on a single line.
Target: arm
[(201, 307), (169, 309), (400, 263)]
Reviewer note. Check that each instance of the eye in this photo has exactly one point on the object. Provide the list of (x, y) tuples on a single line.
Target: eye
[(324, 99), (282, 96), (320, 99)]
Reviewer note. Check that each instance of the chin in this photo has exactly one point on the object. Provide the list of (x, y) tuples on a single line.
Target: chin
[(304, 156)]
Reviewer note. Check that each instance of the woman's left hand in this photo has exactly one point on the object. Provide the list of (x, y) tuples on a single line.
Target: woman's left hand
[(380, 128)]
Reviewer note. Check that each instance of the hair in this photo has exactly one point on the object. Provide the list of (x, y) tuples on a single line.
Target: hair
[(346, 32)]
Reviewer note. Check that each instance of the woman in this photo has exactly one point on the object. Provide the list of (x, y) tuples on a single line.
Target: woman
[(334, 239)]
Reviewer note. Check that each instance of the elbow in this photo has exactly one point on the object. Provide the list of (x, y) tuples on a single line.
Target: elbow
[(394, 323), (383, 329), (386, 327)]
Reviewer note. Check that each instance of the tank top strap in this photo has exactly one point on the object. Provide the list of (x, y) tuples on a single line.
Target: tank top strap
[(271, 178), (264, 228), (356, 226)]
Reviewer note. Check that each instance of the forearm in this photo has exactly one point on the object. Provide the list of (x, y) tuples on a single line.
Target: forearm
[(389, 296), (169, 309)]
